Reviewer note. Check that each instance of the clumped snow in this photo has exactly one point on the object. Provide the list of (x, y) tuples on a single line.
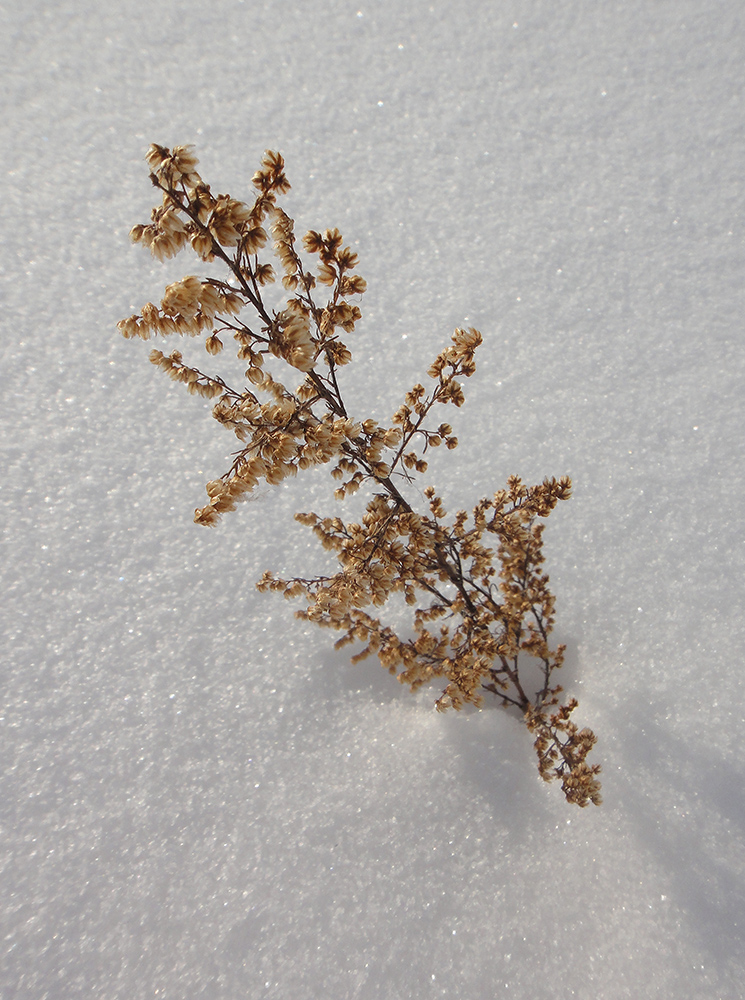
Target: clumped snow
[(200, 798)]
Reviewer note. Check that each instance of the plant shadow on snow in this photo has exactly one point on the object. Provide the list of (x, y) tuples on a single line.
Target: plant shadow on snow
[(496, 750), (693, 825), (334, 671), (487, 748)]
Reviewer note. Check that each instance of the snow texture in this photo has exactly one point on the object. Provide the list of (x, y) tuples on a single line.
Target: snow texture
[(200, 799)]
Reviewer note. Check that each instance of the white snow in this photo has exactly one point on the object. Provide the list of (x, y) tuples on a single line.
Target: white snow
[(200, 798)]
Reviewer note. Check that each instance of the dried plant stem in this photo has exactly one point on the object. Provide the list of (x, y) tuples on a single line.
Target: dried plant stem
[(494, 608)]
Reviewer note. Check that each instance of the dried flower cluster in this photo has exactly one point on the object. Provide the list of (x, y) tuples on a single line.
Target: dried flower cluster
[(481, 607)]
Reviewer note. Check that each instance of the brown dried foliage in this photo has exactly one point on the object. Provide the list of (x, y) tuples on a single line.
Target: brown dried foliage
[(481, 605)]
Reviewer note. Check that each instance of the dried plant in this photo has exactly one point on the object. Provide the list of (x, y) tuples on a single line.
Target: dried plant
[(478, 615)]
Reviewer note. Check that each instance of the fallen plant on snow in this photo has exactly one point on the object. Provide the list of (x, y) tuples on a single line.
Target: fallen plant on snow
[(479, 612)]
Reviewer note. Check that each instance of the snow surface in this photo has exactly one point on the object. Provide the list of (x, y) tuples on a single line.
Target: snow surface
[(199, 797)]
